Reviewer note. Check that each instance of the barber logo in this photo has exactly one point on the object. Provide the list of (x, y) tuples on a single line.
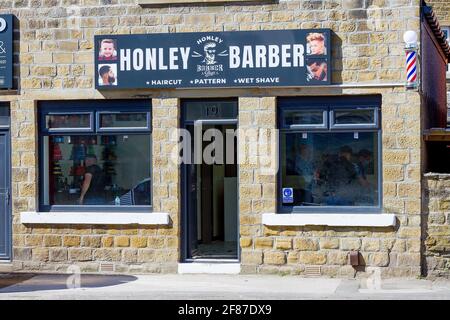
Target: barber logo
[(210, 52)]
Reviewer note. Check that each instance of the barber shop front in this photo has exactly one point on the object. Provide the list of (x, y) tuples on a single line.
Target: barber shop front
[(275, 139)]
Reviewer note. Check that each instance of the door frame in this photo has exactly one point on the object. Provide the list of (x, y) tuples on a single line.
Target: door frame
[(184, 233), (8, 256)]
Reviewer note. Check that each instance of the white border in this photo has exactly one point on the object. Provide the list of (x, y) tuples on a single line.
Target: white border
[(151, 218), (335, 220), (212, 268)]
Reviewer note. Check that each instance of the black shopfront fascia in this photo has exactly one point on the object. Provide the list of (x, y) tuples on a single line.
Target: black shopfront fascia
[(328, 105), (94, 108)]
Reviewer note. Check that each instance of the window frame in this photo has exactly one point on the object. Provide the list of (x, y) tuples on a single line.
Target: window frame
[(331, 103), (101, 129), (96, 106), (307, 126), (68, 129), (334, 125)]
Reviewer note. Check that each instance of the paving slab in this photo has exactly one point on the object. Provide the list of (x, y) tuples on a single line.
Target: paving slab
[(223, 287)]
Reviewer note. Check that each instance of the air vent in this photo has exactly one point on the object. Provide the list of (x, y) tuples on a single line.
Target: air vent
[(106, 267), (312, 271)]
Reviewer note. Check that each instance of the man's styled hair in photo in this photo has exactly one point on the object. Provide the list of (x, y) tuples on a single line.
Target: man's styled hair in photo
[(315, 36), (107, 41), (318, 61), (103, 70)]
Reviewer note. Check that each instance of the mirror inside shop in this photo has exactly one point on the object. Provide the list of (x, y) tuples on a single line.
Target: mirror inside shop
[(97, 170)]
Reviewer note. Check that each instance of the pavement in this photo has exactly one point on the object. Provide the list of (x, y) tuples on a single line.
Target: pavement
[(211, 287)]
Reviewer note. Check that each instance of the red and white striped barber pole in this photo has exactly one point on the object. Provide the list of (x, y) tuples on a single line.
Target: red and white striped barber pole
[(411, 68)]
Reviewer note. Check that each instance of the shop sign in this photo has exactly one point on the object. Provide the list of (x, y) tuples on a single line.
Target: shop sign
[(269, 58), (6, 51)]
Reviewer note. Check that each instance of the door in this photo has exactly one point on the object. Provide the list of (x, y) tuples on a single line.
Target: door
[(209, 186), (5, 197)]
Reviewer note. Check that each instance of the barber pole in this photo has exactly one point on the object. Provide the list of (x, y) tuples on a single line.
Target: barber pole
[(411, 68)]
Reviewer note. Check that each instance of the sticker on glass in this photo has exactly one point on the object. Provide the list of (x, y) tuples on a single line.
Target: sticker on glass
[(288, 195)]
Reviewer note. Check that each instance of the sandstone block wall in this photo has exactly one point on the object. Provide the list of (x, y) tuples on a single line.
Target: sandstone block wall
[(436, 236), (56, 62), (290, 250)]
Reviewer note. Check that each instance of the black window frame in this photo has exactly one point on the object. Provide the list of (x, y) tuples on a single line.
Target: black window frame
[(94, 107), (330, 103), (89, 129), (323, 125)]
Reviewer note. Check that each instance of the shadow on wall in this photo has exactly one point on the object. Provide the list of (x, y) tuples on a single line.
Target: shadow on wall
[(336, 59), (30, 282)]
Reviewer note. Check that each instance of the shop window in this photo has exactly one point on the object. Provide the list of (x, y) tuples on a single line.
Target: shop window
[(95, 156), (331, 168)]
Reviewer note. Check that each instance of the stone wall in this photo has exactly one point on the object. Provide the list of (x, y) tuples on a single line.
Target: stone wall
[(436, 216), (126, 248), (289, 250), (55, 55), (442, 10)]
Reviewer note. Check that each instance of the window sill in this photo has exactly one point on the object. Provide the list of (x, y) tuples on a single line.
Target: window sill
[(324, 219), (109, 218)]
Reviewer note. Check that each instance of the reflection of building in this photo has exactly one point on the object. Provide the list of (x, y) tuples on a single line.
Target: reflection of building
[(365, 160)]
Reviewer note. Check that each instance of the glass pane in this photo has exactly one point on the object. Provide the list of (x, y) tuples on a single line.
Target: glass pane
[(4, 110), (4, 114), (123, 120), (64, 121), (330, 169), (304, 117), (355, 116), (97, 170)]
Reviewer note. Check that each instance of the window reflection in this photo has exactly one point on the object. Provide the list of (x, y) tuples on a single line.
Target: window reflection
[(68, 121), (123, 120), (118, 167), (330, 169)]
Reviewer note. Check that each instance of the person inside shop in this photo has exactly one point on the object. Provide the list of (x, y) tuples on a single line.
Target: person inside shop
[(316, 43), (340, 175), (107, 76), (107, 50), (317, 70), (304, 168), (364, 166), (92, 189)]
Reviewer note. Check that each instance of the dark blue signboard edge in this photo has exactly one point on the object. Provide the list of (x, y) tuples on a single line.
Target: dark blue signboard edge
[(7, 44)]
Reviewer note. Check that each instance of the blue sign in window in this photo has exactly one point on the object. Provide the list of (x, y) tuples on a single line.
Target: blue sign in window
[(288, 195)]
